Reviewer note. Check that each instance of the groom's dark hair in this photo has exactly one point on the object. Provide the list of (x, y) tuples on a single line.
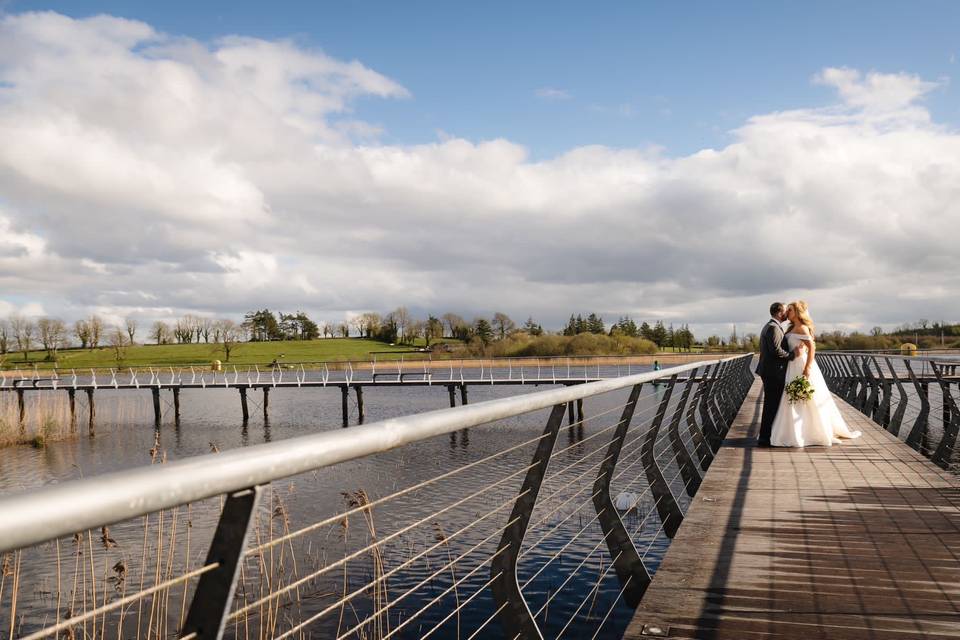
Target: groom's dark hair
[(776, 308)]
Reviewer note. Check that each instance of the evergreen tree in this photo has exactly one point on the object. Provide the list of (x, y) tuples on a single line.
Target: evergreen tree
[(646, 332), (659, 334), (594, 324), (483, 331)]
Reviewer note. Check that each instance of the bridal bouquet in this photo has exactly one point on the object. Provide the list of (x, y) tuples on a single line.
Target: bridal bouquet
[(799, 390)]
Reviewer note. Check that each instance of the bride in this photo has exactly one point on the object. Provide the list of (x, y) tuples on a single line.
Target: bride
[(816, 421)]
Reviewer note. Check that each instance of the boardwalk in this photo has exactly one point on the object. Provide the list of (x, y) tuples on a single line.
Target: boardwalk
[(856, 541)]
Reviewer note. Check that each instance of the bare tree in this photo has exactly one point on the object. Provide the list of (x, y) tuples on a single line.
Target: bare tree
[(96, 330), (183, 330), (358, 323), (403, 319), (230, 334), (371, 323), (53, 334), (131, 329), (206, 326), (503, 324), (4, 338), (454, 322), (117, 338), (343, 329), (327, 330), (23, 333), (81, 329), (159, 332)]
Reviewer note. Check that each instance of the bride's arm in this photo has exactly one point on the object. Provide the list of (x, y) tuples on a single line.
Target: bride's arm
[(812, 346)]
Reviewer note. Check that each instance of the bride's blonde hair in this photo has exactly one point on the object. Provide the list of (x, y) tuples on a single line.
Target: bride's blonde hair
[(803, 314)]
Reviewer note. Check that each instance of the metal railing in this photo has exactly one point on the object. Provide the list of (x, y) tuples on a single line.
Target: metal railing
[(328, 373), (915, 398), (500, 549)]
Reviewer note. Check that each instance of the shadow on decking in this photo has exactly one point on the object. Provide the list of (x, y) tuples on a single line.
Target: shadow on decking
[(870, 563)]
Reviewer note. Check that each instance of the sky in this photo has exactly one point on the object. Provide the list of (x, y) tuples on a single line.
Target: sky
[(687, 162)]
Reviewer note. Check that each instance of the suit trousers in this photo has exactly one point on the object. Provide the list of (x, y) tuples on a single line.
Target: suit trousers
[(772, 394)]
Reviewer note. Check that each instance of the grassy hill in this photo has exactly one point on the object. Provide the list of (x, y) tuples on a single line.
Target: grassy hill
[(203, 354)]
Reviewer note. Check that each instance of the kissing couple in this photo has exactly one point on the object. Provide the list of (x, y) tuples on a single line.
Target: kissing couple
[(807, 416)]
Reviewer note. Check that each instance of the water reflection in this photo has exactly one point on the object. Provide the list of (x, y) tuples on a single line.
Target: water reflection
[(126, 435)]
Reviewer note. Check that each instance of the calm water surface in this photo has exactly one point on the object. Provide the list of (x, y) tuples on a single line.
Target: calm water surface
[(565, 567)]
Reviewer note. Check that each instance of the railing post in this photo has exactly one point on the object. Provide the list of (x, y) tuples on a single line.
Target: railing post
[(860, 398), (631, 572), (706, 420), (918, 434), (897, 419), (214, 595), (691, 478), (700, 446), (882, 413), (951, 422), (870, 407), (515, 615), (667, 507)]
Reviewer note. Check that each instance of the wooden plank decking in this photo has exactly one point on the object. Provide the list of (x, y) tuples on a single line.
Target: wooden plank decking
[(860, 540)]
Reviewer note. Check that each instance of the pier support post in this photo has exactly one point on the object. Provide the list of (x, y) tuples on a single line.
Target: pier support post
[(243, 404), (176, 405), (344, 407), (266, 403), (72, 400), (570, 419), (580, 410), (22, 410), (360, 410), (463, 394), (92, 413), (156, 405), (452, 391)]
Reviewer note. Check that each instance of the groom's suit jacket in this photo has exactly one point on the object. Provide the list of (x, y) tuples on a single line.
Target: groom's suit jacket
[(774, 351)]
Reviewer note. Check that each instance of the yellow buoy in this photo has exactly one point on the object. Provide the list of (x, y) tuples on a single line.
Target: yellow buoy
[(216, 366), (908, 349)]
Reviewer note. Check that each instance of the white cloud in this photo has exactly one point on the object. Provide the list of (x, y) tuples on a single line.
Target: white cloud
[(884, 92), (552, 93), (143, 173)]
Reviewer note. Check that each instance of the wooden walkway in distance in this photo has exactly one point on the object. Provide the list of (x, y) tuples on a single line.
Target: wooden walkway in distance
[(859, 540)]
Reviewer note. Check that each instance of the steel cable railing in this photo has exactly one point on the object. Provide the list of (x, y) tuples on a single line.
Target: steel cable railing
[(915, 398), (425, 569)]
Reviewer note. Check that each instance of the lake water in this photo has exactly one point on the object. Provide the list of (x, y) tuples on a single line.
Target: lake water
[(434, 568)]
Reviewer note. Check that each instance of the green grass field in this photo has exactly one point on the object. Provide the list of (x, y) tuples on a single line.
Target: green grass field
[(203, 354)]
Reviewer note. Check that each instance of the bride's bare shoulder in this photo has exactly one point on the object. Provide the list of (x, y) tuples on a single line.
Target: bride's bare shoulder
[(805, 330)]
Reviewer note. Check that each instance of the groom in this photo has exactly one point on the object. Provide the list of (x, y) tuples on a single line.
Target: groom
[(772, 368)]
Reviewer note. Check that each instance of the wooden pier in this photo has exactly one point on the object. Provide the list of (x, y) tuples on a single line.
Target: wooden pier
[(859, 540)]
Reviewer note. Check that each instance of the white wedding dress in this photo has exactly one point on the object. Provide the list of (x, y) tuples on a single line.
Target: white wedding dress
[(816, 422)]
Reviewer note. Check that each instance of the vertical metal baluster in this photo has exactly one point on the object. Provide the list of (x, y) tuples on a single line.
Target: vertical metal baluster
[(861, 401), (214, 595), (918, 433), (667, 507), (626, 560), (855, 381), (896, 420), (713, 403), (700, 446), (688, 471), (706, 420), (515, 615), (882, 414), (872, 403), (951, 425)]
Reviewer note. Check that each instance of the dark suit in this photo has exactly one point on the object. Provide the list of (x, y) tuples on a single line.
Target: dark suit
[(772, 369)]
